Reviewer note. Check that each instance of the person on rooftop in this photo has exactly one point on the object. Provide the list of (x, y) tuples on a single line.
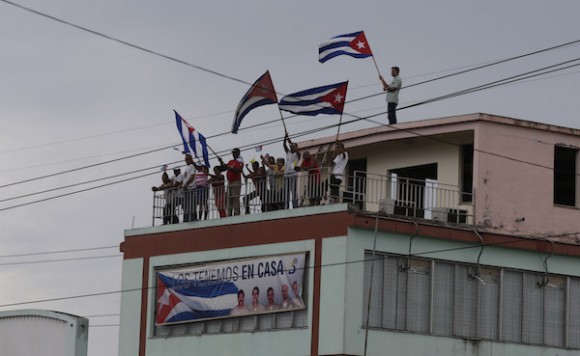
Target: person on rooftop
[(313, 188), (290, 168), (234, 177), (201, 190), (219, 190), (392, 90), (169, 216), (339, 162), (258, 176), (188, 191), (277, 191)]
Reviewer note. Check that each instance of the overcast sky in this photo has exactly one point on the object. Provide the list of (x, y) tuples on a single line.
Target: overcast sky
[(70, 99)]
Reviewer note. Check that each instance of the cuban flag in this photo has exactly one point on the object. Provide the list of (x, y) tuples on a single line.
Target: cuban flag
[(179, 300), (260, 93), (194, 143), (352, 44), (328, 99)]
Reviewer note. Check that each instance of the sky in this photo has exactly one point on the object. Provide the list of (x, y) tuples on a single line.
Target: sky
[(72, 99)]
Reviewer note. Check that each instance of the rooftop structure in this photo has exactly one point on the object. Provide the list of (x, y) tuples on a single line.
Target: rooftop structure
[(452, 236)]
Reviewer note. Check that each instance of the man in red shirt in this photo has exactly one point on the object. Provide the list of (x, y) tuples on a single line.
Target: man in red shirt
[(234, 177)]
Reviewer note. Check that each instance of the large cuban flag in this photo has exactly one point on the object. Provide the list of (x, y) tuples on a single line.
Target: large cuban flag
[(260, 93), (352, 44), (178, 300), (328, 99), (194, 142)]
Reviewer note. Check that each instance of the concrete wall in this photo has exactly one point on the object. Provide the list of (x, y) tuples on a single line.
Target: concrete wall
[(508, 188)]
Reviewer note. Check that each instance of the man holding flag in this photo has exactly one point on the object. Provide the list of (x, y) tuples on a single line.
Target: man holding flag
[(392, 90)]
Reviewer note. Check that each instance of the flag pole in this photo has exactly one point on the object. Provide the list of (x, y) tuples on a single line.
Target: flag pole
[(376, 65), (283, 122), (214, 152)]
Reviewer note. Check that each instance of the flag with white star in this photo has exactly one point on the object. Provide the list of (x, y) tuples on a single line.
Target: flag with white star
[(352, 44), (260, 93), (328, 99)]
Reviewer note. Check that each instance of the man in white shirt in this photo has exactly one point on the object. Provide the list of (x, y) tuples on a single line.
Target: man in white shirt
[(338, 164), (188, 184), (392, 90), (292, 158)]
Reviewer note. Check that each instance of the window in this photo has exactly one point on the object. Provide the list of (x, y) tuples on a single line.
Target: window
[(463, 300), (412, 189), (467, 173), (565, 175)]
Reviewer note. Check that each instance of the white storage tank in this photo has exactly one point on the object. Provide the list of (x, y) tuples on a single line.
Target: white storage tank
[(42, 333)]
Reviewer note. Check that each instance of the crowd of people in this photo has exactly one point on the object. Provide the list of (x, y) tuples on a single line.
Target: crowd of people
[(278, 183)]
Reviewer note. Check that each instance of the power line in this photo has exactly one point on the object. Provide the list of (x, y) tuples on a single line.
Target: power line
[(516, 240), (106, 134), (235, 79), (512, 79), (125, 43), (84, 167), (59, 260), (447, 96), (57, 252)]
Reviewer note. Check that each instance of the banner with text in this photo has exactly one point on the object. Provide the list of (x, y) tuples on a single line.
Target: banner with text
[(230, 288)]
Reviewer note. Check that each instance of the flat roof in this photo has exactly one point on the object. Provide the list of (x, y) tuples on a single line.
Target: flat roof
[(432, 127)]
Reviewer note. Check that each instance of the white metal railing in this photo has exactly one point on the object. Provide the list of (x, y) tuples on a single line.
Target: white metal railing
[(427, 199)]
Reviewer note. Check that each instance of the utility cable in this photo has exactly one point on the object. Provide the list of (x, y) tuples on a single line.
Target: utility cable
[(334, 264), (512, 79), (59, 260), (57, 252), (129, 44)]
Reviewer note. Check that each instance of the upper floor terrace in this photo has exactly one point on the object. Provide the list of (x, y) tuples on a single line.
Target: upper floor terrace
[(499, 174)]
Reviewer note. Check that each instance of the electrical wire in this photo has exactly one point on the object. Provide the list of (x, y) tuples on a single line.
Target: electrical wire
[(125, 43), (508, 80), (512, 79), (59, 260), (58, 252), (334, 264), (485, 86)]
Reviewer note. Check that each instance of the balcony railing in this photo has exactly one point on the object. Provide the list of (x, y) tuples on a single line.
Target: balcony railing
[(392, 195)]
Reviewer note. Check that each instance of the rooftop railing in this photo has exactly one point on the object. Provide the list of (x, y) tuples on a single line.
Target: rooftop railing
[(391, 195)]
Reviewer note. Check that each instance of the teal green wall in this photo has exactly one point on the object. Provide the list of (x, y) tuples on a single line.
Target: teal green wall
[(130, 307), (383, 342)]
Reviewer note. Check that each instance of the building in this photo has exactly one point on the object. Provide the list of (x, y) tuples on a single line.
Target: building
[(33, 332), (454, 236)]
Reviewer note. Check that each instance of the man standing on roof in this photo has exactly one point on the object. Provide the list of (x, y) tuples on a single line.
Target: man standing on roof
[(234, 177), (392, 90)]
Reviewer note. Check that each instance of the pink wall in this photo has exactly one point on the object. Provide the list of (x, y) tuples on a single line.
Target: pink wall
[(513, 179)]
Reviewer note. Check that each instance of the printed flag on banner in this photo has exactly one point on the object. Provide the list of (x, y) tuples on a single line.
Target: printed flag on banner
[(352, 44), (328, 99), (178, 301), (260, 93), (194, 143)]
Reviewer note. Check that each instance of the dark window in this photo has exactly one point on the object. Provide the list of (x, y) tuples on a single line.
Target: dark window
[(356, 182), (565, 175), (411, 189), (467, 173)]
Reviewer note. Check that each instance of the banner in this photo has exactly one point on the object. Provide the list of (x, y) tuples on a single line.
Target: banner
[(230, 288)]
